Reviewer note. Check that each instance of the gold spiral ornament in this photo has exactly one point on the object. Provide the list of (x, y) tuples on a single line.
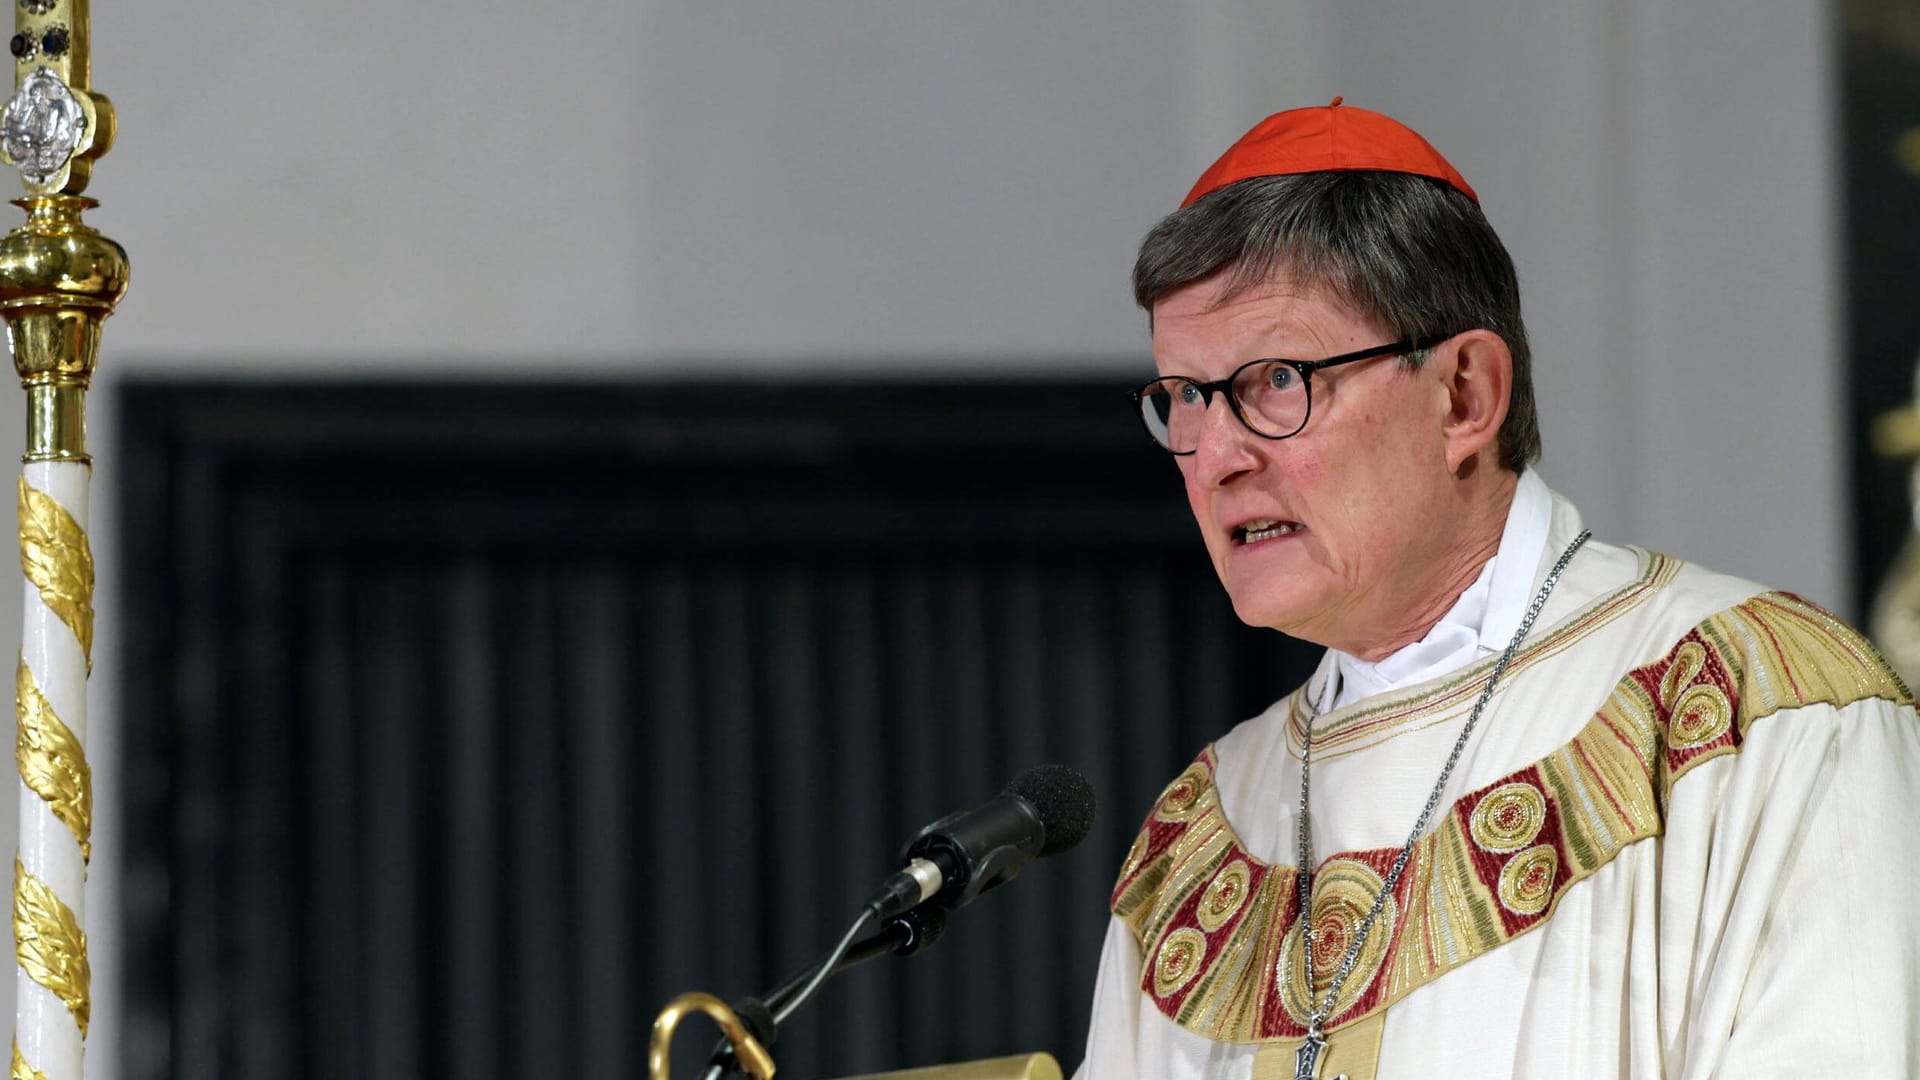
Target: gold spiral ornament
[(50, 946), (52, 763), (56, 557), (22, 1070)]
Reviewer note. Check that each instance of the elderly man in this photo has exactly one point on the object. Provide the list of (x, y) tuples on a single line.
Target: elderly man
[(1552, 807)]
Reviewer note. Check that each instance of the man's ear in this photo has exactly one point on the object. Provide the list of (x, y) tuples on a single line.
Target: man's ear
[(1478, 376)]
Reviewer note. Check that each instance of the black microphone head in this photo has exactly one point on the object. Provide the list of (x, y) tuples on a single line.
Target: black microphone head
[(1064, 801)]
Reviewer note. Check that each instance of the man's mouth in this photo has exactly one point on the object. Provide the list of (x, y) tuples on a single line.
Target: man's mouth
[(1254, 532)]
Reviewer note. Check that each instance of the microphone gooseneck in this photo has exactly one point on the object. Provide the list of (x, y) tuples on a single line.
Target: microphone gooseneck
[(1045, 811)]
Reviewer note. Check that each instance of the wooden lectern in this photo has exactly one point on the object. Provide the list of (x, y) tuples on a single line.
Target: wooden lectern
[(1021, 1067)]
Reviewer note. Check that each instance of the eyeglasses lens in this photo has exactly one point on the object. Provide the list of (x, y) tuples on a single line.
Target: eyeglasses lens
[(1272, 398)]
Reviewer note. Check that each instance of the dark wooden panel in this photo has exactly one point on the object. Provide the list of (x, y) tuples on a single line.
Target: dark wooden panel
[(466, 724)]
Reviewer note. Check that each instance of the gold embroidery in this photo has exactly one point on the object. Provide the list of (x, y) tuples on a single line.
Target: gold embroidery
[(1688, 659), (1780, 652), (1134, 854), (55, 556), (1526, 882), (1181, 795), (49, 944), (22, 1070), (1224, 897), (1345, 731), (52, 763), (1483, 875), (1179, 962), (1509, 817), (1344, 890), (1702, 715)]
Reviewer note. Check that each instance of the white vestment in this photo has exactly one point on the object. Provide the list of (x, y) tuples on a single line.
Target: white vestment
[(1679, 844)]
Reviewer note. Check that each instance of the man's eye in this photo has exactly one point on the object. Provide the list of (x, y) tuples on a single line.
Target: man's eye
[(1283, 377), (1189, 394)]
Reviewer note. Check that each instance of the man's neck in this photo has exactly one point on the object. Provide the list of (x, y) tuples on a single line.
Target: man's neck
[(1483, 513)]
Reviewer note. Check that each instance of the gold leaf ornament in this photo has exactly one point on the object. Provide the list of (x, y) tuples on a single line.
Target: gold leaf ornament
[(51, 947), (22, 1070), (55, 556), (52, 763)]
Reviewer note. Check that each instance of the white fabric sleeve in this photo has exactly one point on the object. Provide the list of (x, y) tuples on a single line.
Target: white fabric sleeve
[(1112, 1034), (1789, 944)]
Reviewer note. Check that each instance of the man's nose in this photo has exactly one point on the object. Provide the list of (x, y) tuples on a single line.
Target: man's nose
[(1226, 449)]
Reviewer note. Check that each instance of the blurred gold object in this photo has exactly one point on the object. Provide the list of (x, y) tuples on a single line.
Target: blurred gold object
[(1894, 623), (1897, 433), (753, 1058), (1019, 1067), (1906, 150)]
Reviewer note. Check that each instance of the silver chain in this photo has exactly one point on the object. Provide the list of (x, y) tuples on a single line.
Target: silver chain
[(1319, 1016)]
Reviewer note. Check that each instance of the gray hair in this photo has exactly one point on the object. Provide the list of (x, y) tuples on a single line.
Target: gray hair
[(1412, 254)]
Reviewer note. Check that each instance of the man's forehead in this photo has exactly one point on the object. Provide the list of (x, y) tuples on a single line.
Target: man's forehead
[(1273, 305), (1214, 323)]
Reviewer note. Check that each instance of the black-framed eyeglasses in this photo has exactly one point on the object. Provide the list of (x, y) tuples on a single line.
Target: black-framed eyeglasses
[(1273, 398)]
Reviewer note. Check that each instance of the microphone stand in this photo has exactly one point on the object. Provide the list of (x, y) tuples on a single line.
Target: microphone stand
[(906, 934)]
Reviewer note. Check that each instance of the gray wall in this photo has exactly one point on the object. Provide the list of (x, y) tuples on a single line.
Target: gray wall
[(607, 187)]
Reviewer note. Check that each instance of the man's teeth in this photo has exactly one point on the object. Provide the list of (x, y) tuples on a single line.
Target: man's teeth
[(1255, 531)]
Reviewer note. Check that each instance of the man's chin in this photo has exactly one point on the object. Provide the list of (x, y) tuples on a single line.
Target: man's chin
[(1289, 617)]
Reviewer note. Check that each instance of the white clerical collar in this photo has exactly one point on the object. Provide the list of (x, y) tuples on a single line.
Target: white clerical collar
[(1480, 622)]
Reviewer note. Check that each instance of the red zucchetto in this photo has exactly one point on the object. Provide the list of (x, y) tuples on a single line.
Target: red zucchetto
[(1329, 138)]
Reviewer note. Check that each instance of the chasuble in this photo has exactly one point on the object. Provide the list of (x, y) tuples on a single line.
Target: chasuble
[(1679, 844)]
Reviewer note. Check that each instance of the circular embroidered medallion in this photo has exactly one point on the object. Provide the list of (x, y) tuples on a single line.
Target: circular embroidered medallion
[(1526, 882), (1509, 817), (1182, 794), (1224, 896), (1343, 890), (1181, 954), (1688, 659), (1702, 715)]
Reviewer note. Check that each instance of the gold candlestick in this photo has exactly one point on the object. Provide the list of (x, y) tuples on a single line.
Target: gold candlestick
[(59, 280)]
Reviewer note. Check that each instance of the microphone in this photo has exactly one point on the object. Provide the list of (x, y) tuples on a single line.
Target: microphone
[(1045, 811)]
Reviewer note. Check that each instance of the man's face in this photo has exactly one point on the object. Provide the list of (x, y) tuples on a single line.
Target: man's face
[(1332, 535)]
